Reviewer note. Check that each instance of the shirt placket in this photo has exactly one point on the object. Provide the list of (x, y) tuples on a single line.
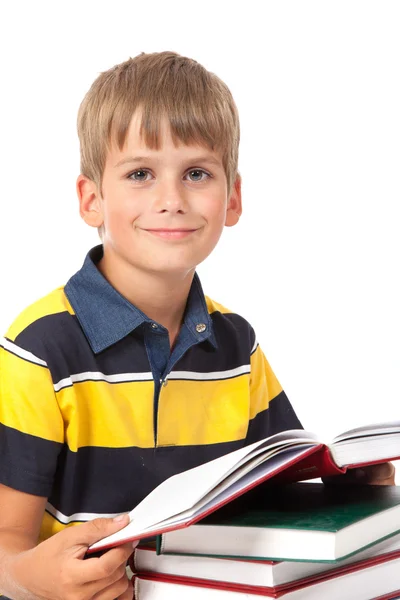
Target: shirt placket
[(162, 360)]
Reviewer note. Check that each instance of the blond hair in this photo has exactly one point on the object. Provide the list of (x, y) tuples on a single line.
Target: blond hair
[(197, 104)]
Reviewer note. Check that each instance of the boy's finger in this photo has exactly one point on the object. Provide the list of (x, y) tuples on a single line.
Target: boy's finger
[(86, 534), (118, 589), (103, 567), (129, 594), (93, 586), (100, 528), (381, 474)]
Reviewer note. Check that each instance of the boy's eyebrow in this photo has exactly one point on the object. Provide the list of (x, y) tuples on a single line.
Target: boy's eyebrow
[(140, 159)]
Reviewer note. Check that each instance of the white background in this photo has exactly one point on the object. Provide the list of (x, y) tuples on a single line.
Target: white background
[(313, 264)]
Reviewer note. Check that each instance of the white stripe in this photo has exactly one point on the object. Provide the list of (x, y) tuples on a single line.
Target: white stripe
[(127, 377), (254, 347), (97, 376), (11, 347), (65, 519), (210, 376)]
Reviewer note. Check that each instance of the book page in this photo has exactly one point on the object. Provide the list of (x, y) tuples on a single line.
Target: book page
[(369, 430), (356, 451)]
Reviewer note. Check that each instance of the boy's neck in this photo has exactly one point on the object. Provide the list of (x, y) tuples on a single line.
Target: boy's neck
[(162, 299)]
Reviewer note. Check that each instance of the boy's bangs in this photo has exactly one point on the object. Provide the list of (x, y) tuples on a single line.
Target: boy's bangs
[(189, 123)]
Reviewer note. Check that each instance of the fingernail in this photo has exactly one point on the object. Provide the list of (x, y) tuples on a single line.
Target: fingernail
[(119, 518)]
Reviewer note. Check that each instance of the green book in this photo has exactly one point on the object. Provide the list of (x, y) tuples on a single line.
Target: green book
[(301, 521)]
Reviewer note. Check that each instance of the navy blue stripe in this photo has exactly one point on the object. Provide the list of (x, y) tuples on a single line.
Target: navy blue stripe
[(59, 340), (23, 456), (108, 480), (278, 417)]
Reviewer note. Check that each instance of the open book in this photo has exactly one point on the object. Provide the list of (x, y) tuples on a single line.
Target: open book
[(292, 455)]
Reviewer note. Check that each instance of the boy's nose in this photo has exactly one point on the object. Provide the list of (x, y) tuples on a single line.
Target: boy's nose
[(170, 196)]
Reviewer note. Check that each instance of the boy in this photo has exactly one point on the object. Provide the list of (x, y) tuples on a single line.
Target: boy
[(129, 374)]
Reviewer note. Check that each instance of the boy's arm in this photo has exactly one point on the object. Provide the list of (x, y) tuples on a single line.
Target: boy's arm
[(31, 437), (56, 569), (20, 519)]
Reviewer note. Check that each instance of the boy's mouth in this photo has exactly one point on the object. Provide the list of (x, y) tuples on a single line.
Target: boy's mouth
[(173, 234)]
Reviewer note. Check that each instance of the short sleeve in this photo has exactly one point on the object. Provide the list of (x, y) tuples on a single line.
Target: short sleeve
[(31, 425), (270, 409)]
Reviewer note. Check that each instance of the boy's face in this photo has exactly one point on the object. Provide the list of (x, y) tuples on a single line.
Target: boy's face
[(162, 211)]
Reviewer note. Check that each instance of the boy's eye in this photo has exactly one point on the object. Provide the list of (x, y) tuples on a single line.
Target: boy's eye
[(195, 173), (141, 175)]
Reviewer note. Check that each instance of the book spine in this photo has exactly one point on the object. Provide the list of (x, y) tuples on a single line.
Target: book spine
[(319, 464), (132, 562)]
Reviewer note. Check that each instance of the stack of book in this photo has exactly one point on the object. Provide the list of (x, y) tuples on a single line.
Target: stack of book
[(240, 526), (303, 541)]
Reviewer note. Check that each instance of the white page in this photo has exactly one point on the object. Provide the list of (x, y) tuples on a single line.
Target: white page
[(347, 452), (369, 430)]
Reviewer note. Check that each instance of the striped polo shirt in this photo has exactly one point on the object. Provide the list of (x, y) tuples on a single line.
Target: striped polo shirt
[(96, 409)]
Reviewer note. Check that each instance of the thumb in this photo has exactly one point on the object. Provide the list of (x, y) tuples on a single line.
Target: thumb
[(95, 530)]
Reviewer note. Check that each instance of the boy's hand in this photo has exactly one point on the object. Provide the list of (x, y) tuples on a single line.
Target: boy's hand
[(381, 474), (56, 569)]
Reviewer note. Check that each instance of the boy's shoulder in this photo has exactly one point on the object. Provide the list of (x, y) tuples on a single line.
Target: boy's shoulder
[(216, 307), (225, 320), (41, 314)]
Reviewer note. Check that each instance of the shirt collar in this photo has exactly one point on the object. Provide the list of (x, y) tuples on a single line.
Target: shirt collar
[(107, 317)]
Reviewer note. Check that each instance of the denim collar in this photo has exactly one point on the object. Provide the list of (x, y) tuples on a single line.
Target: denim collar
[(107, 317)]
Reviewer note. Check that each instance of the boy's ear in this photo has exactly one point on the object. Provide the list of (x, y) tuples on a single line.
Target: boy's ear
[(89, 201), (234, 209)]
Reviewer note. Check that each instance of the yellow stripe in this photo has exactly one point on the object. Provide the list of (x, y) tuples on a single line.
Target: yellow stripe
[(264, 386), (203, 412), (121, 415), (50, 526), (213, 306), (53, 303), (27, 399), (97, 413)]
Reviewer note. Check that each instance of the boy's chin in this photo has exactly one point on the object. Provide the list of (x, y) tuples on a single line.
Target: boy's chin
[(173, 266)]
